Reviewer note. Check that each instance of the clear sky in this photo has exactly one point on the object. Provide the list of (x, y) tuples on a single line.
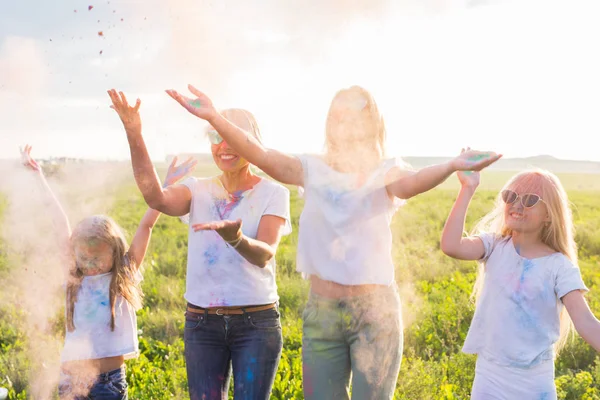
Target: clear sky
[(518, 77)]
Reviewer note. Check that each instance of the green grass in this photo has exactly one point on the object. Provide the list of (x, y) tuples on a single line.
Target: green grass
[(435, 291)]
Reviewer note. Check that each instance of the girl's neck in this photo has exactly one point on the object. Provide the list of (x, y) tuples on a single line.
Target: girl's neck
[(530, 245), (240, 180)]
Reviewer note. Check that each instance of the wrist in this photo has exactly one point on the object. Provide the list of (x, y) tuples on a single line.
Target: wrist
[(236, 242), (213, 118), (468, 189), (452, 166)]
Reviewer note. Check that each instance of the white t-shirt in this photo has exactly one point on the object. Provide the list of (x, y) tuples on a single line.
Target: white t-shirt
[(344, 233), (217, 275), (92, 337), (516, 322)]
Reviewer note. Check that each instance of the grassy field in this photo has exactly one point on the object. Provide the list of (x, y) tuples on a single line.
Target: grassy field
[(435, 291)]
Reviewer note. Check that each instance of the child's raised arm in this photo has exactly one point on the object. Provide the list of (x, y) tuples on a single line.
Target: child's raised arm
[(586, 324), (141, 239), (453, 243), (59, 217)]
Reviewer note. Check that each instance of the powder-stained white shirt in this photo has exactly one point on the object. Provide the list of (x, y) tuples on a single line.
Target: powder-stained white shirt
[(516, 322), (217, 275)]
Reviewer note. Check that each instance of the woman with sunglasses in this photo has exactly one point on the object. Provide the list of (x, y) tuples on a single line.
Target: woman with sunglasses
[(232, 317), (528, 272), (352, 322)]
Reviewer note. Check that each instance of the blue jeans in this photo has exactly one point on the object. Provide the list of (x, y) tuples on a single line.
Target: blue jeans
[(358, 337), (250, 343), (107, 386)]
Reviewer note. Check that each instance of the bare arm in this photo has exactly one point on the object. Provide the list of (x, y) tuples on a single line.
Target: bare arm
[(281, 167), (261, 250), (407, 184), (174, 200), (257, 251), (453, 243), (141, 239), (586, 324), (59, 217)]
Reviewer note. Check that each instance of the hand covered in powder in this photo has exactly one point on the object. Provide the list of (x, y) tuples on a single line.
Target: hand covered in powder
[(201, 106), (230, 231), (130, 116), (177, 173), (473, 160), (468, 178)]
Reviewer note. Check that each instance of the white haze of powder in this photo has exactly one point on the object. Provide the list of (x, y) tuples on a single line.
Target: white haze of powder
[(38, 274)]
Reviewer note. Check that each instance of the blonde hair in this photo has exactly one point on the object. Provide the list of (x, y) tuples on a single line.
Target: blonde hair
[(243, 119), (558, 234), (351, 101), (105, 229)]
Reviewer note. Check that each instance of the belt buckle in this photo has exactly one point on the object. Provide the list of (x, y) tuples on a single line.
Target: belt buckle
[(219, 311)]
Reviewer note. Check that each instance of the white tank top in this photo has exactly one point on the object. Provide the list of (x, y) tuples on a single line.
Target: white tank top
[(92, 337), (344, 230)]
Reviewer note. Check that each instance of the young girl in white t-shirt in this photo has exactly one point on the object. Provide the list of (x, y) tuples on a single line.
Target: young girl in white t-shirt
[(528, 273), (102, 295)]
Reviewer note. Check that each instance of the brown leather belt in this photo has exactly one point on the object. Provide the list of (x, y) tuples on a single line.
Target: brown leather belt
[(230, 310)]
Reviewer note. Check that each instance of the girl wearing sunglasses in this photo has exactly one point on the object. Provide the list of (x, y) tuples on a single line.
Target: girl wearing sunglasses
[(352, 324), (528, 276), (232, 317)]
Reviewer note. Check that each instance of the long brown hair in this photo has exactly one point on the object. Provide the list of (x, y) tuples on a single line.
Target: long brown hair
[(558, 234), (123, 283)]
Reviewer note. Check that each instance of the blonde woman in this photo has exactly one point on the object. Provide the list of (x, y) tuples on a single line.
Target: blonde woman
[(236, 221), (352, 322), (528, 276), (102, 294)]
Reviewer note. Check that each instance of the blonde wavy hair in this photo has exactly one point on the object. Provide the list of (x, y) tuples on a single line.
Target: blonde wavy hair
[(558, 234), (103, 228)]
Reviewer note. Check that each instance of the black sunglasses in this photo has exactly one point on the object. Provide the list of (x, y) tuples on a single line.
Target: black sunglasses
[(528, 200)]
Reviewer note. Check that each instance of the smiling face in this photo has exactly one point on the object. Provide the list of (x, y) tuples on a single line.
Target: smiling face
[(525, 210)]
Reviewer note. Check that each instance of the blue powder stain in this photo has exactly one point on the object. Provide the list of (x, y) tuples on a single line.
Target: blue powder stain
[(334, 197), (250, 375), (544, 396), (211, 255)]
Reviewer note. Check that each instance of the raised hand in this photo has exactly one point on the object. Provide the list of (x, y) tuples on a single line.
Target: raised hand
[(28, 161), (130, 116), (473, 160), (468, 178), (230, 231), (176, 173), (201, 106)]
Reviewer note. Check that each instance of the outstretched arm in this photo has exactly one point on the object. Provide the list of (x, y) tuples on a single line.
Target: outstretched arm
[(280, 166), (407, 184), (453, 243), (586, 324), (59, 217), (141, 239)]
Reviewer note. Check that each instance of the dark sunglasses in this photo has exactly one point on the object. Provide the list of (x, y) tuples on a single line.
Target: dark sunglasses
[(528, 200)]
